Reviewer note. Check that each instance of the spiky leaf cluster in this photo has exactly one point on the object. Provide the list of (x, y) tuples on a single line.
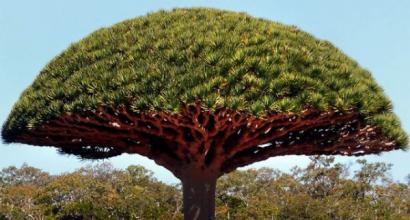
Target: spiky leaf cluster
[(221, 58)]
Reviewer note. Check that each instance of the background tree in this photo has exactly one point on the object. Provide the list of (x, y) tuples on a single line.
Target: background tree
[(23, 175), (251, 194), (202, 92)]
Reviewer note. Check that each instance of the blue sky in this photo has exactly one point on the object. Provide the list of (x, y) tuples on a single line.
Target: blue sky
[(376, 33)]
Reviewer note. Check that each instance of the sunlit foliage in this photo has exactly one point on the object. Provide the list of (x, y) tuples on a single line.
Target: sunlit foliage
[(221, 58)]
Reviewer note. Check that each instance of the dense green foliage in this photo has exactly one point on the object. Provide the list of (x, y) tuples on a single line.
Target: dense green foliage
[(99, 192), (322, 190), (221, 58)]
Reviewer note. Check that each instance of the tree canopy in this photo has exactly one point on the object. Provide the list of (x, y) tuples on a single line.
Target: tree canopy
[(219, 58)]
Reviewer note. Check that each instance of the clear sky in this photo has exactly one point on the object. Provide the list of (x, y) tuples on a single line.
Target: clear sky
[(376, 33)]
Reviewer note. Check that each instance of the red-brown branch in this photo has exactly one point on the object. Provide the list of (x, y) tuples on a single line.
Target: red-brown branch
[(219, 140)]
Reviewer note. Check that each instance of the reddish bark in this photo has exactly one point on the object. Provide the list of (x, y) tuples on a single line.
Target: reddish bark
[(199, 145), (199, 194), (221, 140)]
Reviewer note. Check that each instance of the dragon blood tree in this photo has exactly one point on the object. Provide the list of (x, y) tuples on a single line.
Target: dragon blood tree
[(202, 92)]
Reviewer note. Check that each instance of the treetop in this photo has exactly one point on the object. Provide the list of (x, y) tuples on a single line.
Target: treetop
[(219, 58)]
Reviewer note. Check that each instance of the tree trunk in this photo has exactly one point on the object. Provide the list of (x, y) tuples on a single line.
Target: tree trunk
[(199, 194)]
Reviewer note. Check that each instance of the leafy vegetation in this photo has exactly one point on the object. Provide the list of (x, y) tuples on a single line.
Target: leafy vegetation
[(221, 58), (322, 190)]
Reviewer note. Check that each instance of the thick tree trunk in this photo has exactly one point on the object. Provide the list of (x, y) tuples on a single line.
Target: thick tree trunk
[(199, 195)]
